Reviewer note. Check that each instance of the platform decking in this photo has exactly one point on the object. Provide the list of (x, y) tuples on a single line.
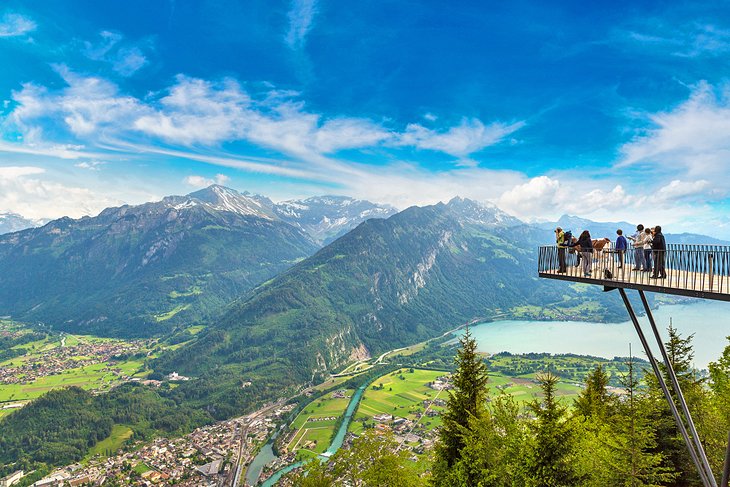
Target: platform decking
[(701, 271)]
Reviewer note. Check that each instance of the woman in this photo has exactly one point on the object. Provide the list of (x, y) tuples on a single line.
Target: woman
[(648, 238), (586, 249)]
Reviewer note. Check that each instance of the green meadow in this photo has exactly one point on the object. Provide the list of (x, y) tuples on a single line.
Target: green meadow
[(313, 431), (110, 445), (400, 394)]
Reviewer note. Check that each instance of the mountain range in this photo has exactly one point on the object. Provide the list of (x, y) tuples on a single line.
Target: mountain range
[(143, 270), (608, 229), (385, 284), (12, 222)]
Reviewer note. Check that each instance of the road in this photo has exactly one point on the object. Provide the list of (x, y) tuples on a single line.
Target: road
[(235, 481)]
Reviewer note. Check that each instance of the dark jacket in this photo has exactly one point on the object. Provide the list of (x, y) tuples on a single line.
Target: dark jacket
[(658, 243), (586, 244), (621, 243)]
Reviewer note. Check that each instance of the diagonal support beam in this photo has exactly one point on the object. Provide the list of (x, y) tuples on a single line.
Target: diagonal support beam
[(673, 407), (726, 467), (678, 391)]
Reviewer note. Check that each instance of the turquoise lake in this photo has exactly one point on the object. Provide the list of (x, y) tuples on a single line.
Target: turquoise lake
[(708, 320)]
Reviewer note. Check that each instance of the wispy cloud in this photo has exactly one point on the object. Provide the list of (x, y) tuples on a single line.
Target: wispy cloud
[(125, 58), (25, 190), (692, 137), (90, 165), (202, 181), (470, 136), (16, 25), (686, 40), (301, 15)]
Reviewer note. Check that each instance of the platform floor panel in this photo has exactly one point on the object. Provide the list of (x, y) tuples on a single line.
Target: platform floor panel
[(681, 282)]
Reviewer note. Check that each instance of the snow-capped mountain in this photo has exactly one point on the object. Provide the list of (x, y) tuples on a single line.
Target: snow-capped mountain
[(220, 198), (12, 222), (471, 211), (326, 218)]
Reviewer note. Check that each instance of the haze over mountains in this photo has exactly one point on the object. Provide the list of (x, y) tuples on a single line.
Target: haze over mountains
[(282, 308), (141, 270), (145, 270), (12, 222), (608, 229)]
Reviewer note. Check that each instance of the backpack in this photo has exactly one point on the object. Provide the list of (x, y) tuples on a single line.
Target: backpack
[(568, 238)]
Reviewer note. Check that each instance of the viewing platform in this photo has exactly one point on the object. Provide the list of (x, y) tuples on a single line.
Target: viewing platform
[(700, 271)]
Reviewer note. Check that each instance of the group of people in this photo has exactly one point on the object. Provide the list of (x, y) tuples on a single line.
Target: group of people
[(648, 243)]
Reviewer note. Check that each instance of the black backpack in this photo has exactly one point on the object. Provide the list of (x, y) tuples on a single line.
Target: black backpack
[(568, 238)]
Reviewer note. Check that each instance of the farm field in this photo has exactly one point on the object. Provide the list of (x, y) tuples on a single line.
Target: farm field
[(401, 395), (118, 436), (314, 426), (61, 360)]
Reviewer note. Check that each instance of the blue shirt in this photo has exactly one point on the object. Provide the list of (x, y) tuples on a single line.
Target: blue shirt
[(621, 243)]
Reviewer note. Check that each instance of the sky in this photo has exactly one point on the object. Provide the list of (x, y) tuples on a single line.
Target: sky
[(605, 110)]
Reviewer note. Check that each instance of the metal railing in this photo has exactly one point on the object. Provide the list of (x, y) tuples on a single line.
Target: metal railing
[(696, 268)]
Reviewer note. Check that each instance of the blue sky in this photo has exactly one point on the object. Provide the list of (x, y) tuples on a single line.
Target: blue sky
[(542, 108)]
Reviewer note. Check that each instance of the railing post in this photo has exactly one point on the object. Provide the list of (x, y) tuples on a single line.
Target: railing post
[(710, 261)]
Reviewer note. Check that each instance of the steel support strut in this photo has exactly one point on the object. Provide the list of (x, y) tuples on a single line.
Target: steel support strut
[(708, 480), (678, 391), (726, 466)]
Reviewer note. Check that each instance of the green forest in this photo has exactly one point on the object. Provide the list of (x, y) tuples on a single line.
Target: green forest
[(602, 439)]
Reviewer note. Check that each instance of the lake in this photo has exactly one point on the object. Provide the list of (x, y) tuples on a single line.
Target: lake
[(708, 320)]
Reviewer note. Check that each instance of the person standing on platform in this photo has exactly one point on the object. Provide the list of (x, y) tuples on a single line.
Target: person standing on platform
[(647, 249), (586, 249), (638, 245), (560, 241), (621, 245), (659, 248)]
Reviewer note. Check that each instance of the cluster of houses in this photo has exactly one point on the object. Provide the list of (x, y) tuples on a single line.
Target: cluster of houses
[(60, 359), (207, 457)]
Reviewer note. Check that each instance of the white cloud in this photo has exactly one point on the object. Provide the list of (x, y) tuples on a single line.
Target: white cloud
[(90, 165), (688, 40), (129, 60), (124, 58), (15, 172), (598, 199), (23, 192), (16, 25), (532, 198), (87, 105), (99, 51), (203, 182), (677, 189), (470, 136), (692, 137), (301, 14)]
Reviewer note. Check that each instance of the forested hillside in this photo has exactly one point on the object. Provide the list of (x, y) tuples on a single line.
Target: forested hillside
[(388, 283)]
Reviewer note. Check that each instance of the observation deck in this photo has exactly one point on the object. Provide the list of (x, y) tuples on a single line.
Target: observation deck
[(699, 271)]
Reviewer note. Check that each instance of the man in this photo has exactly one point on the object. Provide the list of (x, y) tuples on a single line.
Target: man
[(638, 244), (621, 245), (659, 249), (560, 241)]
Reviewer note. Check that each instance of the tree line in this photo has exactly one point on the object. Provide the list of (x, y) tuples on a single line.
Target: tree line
[(604, 439)]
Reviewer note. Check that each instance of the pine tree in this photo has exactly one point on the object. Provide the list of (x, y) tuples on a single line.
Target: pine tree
[(551, 461), (467, 400), (595, 398), (632, 446), (493, 451), (669, 440), (374, 460)]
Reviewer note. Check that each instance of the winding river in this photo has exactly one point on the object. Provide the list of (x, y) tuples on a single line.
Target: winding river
[(267, 453), (709, 321)]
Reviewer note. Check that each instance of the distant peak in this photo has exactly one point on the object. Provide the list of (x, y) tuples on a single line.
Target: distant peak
[(222, 198)]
